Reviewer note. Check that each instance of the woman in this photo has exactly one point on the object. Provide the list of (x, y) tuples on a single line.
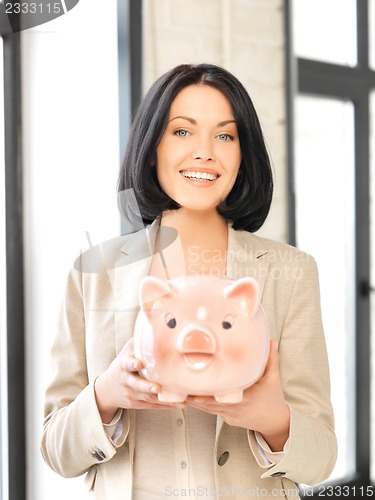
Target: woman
[(197, 162)]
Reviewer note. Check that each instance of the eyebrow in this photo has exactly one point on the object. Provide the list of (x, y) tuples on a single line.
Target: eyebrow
[(194, 122)]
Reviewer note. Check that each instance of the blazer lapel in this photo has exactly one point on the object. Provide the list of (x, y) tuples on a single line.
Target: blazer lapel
[(133, 264), (247, 256)]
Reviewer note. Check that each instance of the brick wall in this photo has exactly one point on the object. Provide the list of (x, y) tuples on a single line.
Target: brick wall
[(247, 38)]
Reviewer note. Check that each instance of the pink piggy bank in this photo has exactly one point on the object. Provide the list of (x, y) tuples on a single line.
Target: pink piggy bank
[(201, 336)]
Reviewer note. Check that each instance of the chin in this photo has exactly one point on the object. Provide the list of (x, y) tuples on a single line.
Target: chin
[(199, 207), (199, 204)]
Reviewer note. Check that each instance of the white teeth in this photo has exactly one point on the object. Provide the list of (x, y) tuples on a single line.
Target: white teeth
[(200, 175)]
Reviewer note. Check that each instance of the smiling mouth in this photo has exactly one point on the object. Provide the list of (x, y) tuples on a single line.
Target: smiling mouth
[(199, 176)]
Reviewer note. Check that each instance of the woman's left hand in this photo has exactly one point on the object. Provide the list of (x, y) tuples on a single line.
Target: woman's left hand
[(263, 407)]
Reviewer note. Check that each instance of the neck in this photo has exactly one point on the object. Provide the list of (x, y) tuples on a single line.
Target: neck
[(196, 226)]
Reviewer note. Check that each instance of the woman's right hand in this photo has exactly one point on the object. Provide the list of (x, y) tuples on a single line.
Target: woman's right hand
[(121, 386)]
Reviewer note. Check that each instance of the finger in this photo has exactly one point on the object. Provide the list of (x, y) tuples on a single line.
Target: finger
[(132, 364), (135, 380), (129, 361), (141, 385), (142, 400)]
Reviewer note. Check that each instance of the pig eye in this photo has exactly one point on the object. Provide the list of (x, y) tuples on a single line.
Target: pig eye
[(171, 321), (228, 321)]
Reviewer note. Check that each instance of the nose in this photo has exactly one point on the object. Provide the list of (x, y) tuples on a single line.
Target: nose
[(203, 151), (196, 341)]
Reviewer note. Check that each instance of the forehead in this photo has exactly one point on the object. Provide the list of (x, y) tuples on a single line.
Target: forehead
[(202, 100)]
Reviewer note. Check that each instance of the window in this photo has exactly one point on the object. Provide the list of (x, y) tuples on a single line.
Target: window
[(324, 186), (330, 86), (335, 39)]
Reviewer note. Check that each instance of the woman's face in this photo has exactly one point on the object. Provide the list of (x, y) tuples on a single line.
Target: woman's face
[(199, 154)]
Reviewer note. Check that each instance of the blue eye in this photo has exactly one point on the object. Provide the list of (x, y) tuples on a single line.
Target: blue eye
[(225, 137), (181, 133)]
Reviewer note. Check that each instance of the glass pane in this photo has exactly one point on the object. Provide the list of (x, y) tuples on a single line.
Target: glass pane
[(372, 274), (324, 189), (3, 330), (326, 30)]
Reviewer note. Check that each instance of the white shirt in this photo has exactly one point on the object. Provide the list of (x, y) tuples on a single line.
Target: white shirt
[(183, 441)]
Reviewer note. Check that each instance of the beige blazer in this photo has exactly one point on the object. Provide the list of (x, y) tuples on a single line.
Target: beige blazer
[(97, 318)]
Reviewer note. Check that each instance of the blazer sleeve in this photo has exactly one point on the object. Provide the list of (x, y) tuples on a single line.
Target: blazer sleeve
[(74, 438), (312, 448)]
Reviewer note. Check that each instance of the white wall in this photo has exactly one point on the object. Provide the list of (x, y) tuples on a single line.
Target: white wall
[(71, 160)]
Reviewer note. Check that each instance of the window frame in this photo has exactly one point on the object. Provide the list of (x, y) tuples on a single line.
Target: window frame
[(15, 308), (130, 60)]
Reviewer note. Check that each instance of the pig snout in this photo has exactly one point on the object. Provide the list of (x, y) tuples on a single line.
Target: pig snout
[(197, 347)]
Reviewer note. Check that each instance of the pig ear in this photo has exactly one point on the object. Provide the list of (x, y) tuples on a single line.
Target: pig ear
[(245, 289), (152, 289)]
